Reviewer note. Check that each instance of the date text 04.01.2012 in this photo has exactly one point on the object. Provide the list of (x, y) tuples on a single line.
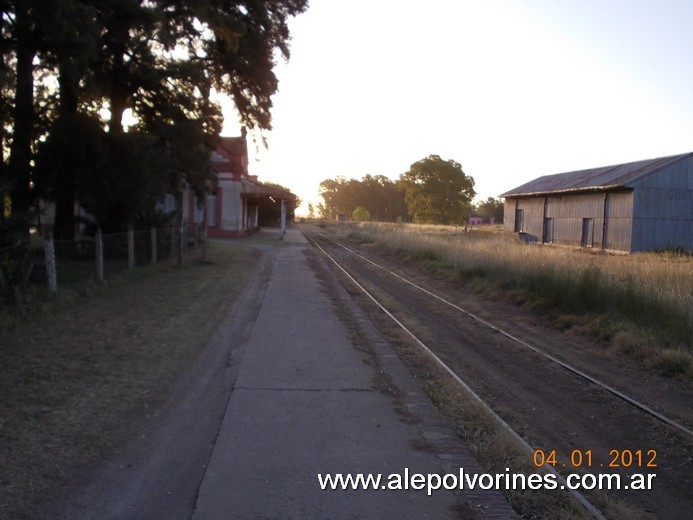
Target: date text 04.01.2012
[(586, 459)]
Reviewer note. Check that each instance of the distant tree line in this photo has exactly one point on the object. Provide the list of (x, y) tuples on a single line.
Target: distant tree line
[(72, 70), (382, 197), (491, 210), (432, 191)]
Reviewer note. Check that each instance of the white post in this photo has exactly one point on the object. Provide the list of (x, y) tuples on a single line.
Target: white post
[(98, 246), (181, 242), (49, 253), (205, 228)]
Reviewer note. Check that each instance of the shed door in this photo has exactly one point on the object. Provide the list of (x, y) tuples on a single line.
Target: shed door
[(587, 232), (519, 220), (548, 230)]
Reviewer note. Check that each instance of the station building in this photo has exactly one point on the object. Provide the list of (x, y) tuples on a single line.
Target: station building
[(233, 205)]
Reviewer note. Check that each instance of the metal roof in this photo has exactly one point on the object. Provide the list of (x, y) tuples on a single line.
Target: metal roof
[(254, 189), (594, 179)]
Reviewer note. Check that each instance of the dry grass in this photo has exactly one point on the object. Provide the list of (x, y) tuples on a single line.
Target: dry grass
[(72, 378), (635, 296)]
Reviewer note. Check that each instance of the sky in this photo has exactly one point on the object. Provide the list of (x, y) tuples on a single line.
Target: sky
[(510, 89)]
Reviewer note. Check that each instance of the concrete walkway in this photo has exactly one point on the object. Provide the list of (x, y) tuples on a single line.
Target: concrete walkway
[(304, 404)]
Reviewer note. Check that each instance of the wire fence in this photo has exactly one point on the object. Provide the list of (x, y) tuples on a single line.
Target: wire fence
[(65, 263)]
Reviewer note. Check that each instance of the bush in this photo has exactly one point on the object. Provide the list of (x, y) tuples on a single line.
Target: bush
[(671, 362), (361, 214)]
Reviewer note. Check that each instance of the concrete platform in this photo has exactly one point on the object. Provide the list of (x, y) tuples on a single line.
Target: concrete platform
[(303, 403), (285, 390)]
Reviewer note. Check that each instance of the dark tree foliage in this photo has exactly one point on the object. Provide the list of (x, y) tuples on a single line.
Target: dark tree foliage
[(62, 62), (380, 196), (20, 37), (438, 191), (491, 208), (73, 154)]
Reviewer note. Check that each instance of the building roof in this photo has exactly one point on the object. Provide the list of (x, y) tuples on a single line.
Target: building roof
[(254, 189), (595, 179), (231, 156)]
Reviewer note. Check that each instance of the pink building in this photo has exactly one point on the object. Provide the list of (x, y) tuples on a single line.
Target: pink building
[(232, 209)]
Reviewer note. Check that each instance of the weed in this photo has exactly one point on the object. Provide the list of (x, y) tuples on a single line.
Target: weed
[(672, 362), (360, 238), (71, 377), (607, 294), (633, 343)]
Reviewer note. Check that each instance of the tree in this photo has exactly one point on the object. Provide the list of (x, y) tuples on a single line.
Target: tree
[(63, 61), (382, 197), (22, 47), (361, 214), (438, 191), (491, 208), (335, 196), (70, 48)]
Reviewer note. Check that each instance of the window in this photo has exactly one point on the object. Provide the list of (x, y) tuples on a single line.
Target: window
[(519, 220), (587, 232), (198, 218), (212, 209), (169, 203)]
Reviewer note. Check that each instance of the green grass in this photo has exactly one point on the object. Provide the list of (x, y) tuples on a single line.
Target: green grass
[(75, 374)]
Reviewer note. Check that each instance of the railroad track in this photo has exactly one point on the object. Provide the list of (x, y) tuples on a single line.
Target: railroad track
[(544, 402)]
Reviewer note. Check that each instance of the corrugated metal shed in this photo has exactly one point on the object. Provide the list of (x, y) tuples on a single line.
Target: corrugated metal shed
[(594, 179)]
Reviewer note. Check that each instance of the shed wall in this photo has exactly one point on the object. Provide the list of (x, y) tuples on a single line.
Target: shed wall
[(509, 214), (663, 209), (619, 222), (533, 216), (561, 219), (568, 212)]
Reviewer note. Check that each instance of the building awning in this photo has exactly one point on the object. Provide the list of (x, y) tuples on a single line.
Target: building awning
[(255, 189)]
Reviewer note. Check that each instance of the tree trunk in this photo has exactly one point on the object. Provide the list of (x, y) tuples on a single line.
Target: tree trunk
[(19, 168), (118, 106), (64, 223), (119, 92)]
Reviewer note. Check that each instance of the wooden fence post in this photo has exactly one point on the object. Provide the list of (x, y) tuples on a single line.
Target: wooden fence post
[(181, 243), (282, 220), (173, 240), (98, 247), (152, 238), (49, 253), (131, 249)]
